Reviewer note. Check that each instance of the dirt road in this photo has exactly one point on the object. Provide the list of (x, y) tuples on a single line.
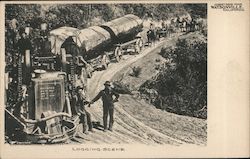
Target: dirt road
[(127, 129)]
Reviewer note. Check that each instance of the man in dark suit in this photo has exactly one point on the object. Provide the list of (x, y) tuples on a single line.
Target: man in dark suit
[(108, 104)]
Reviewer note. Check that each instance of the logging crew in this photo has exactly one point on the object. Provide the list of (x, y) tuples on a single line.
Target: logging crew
[(108, 104), (84, 115)]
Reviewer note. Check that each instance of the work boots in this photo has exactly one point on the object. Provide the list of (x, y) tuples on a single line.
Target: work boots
[(110, 126)]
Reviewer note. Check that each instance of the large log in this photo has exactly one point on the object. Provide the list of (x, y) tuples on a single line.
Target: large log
[(95, 40), (124, 29)]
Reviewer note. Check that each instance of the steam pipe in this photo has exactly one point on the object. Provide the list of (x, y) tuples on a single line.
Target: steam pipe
[(30, 121)]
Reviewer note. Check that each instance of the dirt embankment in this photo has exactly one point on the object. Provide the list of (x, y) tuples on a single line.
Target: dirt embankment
[(187, 129)]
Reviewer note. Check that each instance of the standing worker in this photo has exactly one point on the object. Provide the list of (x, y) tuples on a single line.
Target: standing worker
[(108, 104), (85, 117), (23, 43), (13, 25)]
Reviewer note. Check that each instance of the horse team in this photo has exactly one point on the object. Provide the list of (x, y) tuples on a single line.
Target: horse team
[(167, 28)]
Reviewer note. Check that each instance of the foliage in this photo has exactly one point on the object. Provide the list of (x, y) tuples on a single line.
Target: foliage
[(80, 15), (136, 71), (121, 88), (197, 10), (23, 13), (183, 88), (155, 11)]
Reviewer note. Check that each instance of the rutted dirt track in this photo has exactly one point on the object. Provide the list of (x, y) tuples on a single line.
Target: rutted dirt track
[(127, 129)]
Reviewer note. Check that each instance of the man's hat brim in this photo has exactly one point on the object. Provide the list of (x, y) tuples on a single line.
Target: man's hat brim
[(77, 88), (107, 83)]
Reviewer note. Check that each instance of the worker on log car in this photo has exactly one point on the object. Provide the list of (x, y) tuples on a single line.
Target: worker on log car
[(23, 43), (84, 116), (70, 46), (108, 104)]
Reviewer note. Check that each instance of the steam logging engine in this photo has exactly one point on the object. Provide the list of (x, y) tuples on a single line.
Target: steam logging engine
[(41, 110)]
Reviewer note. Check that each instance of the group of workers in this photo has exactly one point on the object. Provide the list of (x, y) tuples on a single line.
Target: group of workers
[(108, 96), (78, 99)]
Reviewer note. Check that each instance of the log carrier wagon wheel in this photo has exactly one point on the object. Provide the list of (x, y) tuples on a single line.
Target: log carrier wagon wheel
[(139, 45), (118, 53)]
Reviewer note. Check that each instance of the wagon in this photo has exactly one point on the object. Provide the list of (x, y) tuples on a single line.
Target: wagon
[(100, 44)]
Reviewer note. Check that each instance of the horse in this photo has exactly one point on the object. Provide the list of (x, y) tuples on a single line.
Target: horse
[(152, 36), (183, 25)]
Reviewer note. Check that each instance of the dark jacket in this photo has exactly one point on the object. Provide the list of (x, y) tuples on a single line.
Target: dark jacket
[(107, 97), (79, 103), (71, 47), (23, 44)]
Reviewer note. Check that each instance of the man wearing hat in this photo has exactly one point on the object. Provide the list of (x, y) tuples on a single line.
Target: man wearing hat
[(23, 43), (108, 104), (80, 102)]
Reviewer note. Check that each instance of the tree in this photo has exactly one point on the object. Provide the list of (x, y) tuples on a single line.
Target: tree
[(183, 87), (197, 10)]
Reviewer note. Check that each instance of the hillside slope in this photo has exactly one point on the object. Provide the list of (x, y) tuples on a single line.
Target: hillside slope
[(184, 128)]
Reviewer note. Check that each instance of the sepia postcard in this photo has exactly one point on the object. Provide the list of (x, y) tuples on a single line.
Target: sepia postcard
[(124, 79)]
